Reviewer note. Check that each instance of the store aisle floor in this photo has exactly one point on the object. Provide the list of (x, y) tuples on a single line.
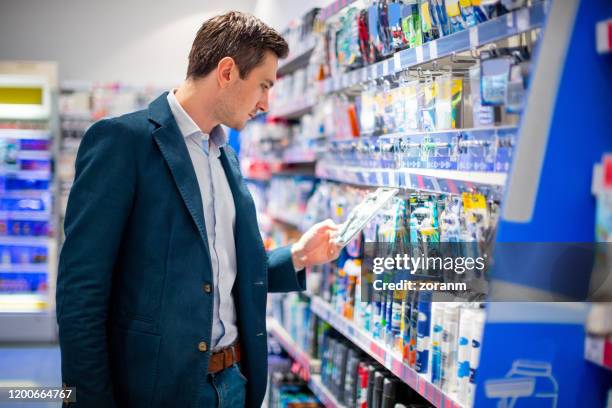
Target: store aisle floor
[(30, 366)]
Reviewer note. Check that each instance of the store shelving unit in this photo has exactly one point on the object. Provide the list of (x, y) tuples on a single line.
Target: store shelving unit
[(28, 245), (311, 365), (533, 192), (519, 21), (322, 393), (295, 108), (381, 353), (432, 180), (296, 61)]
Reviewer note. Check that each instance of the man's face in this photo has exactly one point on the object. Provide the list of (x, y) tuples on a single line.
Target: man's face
[(244, 98)]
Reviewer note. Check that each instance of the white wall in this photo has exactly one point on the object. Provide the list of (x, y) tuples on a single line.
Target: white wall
[(277, 13), (135, 42)]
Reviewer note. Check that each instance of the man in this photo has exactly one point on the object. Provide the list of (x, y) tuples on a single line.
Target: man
[(163, 278)]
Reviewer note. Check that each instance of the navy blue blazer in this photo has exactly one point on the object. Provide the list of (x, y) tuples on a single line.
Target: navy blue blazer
[(131, 304)]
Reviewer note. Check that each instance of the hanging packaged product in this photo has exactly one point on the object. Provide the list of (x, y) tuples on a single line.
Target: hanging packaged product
[(449, 102), (347, 40), (443, 86), (455, 18), (384, 31), (389, 96), (469, 12), (365, 45), (411, 121), (429, 29), (494, 75), (440, 18), (380, 107), (480, 13), (411, 23), (515, 97), (332, 49), (476, 217), (373, 29), (482, 115), (492, 8), (427, 103), (367, 116), (398, 40), (450, 220)]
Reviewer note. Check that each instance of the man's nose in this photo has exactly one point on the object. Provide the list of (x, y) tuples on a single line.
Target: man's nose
[(263, 104)]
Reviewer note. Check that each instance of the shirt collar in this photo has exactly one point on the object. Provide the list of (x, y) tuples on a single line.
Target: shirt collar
[(188, 127)]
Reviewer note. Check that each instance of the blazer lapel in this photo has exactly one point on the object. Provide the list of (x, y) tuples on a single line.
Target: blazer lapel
[(247, 231), (174, 150)]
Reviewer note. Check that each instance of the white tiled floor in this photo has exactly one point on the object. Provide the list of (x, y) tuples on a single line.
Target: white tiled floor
[(32, 366)]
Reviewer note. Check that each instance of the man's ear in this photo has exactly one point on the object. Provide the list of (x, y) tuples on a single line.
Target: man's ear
[(227, 71)]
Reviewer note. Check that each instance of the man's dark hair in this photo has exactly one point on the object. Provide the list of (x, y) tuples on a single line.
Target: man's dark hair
[(241, 36)]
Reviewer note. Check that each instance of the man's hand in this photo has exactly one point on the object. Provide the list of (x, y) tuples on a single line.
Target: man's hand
[(316, 246)]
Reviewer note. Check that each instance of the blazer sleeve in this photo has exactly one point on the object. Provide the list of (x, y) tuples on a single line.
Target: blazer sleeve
[(282, 276), (98, 206)]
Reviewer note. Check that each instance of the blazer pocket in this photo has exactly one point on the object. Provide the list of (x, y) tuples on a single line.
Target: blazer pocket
[(134, 357)]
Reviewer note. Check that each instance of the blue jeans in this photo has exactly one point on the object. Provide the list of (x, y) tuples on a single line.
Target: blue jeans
[(225, 389)]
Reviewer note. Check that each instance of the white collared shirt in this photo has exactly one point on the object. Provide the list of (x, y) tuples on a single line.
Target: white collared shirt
[(219, 215)]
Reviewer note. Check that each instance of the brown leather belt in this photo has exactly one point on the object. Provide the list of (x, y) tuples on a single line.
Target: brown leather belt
[(224, 358)]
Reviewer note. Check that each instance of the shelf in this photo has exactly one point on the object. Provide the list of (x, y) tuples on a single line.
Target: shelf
[(23, 302), (293, 220), (27, 174), (279, 333), (25, 241), (295, 62), (24, 268), (312, 366), (433, 180), (41, 194), (516, 22), (34, 155), (299, 156), (598, 350), (382, 354), (294, 109), (323, 394), (26, 215), (25, 134)]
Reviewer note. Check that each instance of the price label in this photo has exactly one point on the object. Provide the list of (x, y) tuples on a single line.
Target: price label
[(510, 20), (372, 71), (433, 50), (364, 74), (397, 61), (379, 178), (474, 42), (385, 67), (522, 20), (419, 54)]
